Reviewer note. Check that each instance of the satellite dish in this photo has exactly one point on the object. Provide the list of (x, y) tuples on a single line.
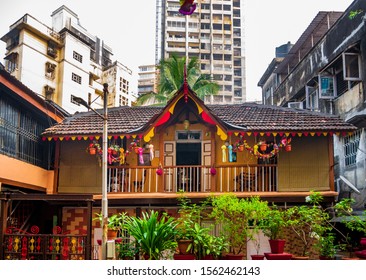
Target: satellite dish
[(349, 184)]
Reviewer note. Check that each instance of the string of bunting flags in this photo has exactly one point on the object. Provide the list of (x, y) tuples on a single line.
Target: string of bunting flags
[(255, 133)]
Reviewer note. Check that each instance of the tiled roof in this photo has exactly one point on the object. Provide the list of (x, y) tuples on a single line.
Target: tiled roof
[(256, 117), (121, 120), (245, 117)]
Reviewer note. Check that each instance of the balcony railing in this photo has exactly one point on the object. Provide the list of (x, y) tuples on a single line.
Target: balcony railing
[(44, 247), (244, 178)]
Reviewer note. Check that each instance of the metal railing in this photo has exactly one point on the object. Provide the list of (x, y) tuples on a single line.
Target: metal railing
[(239, 178)]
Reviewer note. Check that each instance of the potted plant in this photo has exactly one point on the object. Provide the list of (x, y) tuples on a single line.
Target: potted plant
[(342, 238), (214, 247), (240, 220), (272, 226), (308, 222), (352, 222), (328, 247), (190, 215), (257, 245), (153, 233), (93, 148), (125, 251), (114, 149), (200, 239), (115, 223)]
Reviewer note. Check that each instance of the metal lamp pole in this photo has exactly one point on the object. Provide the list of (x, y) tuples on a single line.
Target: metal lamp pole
[(104, 174), (104, 223)]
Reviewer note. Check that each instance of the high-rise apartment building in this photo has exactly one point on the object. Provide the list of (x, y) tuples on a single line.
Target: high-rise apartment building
[(65, 61), (147, 79), (215, 36)]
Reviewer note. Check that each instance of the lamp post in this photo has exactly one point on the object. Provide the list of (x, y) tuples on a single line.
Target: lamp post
[(104, 223)]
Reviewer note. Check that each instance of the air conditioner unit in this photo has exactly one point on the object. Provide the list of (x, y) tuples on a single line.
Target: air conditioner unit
[(298, 105)]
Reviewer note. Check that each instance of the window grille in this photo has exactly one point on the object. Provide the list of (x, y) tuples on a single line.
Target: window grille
[(350, 146), (77, 56), (20, 135), (76, 78)]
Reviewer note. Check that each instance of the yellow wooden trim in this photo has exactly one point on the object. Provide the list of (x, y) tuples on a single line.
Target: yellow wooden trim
[(149, 135), (221, 133), (171, 109)]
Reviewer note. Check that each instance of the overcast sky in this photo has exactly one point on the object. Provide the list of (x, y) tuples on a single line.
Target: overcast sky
[(128, 27)]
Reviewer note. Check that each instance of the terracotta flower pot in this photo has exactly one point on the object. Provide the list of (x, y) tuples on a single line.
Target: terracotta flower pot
[(300, 258), (363, 242), (183, 246), (325, 258), (263, 147), (112, 234), (208, 257), (288, 148), (240, 148), (257, 257), (277, 245), (234, 256), (184, 257), (92, 151)]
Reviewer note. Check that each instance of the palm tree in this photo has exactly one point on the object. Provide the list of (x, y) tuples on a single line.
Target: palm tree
[(172, 78)]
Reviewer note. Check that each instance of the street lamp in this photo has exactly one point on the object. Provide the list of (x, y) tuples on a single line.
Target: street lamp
[(104, 165)]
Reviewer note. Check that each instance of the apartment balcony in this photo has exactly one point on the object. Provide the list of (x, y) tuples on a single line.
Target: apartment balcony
[(192, 179)]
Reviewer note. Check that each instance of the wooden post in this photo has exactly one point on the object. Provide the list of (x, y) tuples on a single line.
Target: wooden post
[(56, 168), (89, 244), (161, 187), (331, 161), (213, 159), (4, 205)]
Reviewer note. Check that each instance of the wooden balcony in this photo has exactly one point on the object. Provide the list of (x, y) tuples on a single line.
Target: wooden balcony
[(192, 179)]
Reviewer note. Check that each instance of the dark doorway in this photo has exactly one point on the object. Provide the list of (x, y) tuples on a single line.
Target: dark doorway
[(188, 154)]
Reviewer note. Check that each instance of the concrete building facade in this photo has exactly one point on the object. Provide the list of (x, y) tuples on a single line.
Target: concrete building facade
[(215, 36), (147, 79), (63, 61), (329, 77)]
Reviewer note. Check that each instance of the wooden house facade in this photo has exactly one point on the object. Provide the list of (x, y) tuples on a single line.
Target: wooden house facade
[(155, 153)]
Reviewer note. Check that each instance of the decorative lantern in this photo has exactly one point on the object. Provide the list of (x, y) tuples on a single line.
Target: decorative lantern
[(213, 171), (186, 124), (263, 147)]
